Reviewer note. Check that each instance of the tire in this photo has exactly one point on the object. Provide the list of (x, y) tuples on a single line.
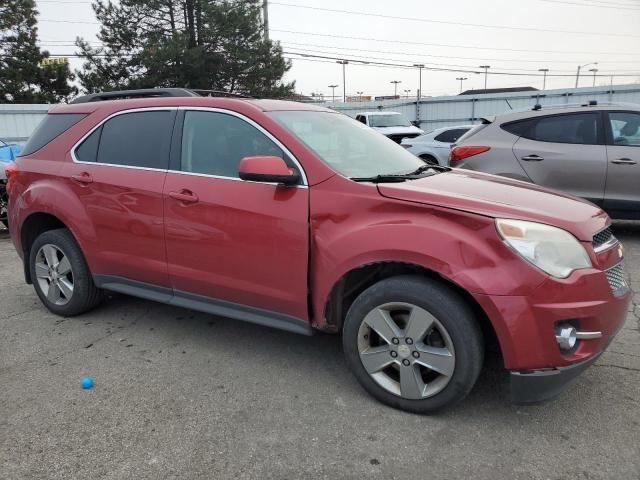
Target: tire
[(453, 344), (61, 244), (429, 159), (5, 222)]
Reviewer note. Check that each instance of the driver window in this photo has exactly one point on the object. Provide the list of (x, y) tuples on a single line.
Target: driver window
[(213, 143), (625, 128)]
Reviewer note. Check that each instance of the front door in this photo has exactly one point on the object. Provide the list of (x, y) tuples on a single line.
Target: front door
[(622, 194), (240, 242), (565, 152)]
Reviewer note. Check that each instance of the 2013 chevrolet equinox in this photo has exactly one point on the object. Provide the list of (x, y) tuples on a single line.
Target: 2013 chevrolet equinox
[(300, 218)]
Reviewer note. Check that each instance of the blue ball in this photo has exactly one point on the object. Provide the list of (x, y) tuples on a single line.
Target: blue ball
[(86, 383)]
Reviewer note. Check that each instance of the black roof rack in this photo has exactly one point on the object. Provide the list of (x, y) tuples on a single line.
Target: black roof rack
[(152, 93)]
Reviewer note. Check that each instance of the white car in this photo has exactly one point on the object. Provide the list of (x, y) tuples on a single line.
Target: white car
[(434, 147), (391, 124)]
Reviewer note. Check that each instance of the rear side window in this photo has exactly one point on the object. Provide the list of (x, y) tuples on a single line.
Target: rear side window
[(581, 128), (52, 126), (137, 139), (450, 136)]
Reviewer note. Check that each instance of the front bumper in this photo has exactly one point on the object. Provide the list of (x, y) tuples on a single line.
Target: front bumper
[(525, 327)]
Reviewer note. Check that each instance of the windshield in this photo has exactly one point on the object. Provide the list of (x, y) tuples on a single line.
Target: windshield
[(347, 146), (395, 120)]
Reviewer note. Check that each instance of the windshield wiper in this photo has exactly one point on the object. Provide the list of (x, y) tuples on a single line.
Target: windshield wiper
[(420, 172)]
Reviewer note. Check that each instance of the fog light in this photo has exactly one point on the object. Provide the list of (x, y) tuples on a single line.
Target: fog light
[(566, 337)]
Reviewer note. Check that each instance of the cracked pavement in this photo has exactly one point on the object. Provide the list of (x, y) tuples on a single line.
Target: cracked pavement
[(181, 394)]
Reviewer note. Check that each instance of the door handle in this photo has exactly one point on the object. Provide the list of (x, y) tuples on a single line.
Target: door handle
[(624, 161), (532, 158), (185, 196), (84, 178)]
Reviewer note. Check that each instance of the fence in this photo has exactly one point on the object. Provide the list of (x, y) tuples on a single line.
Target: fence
[(18, 121), (436, 112)]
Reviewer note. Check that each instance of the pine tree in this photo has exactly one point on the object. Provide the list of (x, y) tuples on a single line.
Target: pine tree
[(200, 44), (23, 78)]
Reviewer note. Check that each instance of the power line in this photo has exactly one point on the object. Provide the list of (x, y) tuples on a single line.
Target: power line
[(603, 5), (403, 42), (444, 22)]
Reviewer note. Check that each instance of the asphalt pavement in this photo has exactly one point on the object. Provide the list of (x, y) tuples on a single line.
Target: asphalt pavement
[(180, 394)]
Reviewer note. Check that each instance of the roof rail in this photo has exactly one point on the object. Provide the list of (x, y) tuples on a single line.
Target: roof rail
[(591, 103), (152, 93)]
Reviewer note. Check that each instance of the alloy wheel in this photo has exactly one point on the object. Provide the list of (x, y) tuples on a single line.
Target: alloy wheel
[(54, 274), (406, 350)]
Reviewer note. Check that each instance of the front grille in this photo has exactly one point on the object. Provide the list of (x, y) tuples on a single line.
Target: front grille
[(616, 277), (398, 137), (602, 237)]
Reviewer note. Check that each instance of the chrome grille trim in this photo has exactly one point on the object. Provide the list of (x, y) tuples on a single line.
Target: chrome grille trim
[(603, 240), (616, 277)]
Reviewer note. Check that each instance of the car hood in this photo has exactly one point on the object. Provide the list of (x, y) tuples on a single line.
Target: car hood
[(501, 197), (398, 130)]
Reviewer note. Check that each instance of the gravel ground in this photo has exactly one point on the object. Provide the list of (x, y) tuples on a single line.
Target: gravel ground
[(180, 394)]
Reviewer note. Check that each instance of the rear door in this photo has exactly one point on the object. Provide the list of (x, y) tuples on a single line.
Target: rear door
[(118, 172), (565, 152), (622, 193)]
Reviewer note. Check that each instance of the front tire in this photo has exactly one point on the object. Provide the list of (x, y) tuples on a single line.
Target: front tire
[(60, 274), (413, 343)]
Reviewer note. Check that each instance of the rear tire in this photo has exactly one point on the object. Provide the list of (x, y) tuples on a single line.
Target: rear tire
[(60, 275), (427, 358)]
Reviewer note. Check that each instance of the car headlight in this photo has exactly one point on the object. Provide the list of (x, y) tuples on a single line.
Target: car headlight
[(552, 250)]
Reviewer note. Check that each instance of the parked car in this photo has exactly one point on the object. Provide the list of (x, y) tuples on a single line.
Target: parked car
[(591, 151), (434, 147), (393, 125), (8, 153), (297, 217)]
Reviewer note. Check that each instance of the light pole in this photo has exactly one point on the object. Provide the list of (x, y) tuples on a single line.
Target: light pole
[(333, 93), (359, 96), (594, 70), (462, 79), (407, 92), (344, 80), (581, 67), (395, 86), (486, 72), (544, 78)]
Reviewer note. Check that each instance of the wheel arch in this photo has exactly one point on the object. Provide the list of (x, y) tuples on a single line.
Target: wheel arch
[(32, 227), (352, 283)]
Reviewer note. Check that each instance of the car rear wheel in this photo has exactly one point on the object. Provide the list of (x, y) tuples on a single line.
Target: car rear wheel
[(413, 343), (60, 274)]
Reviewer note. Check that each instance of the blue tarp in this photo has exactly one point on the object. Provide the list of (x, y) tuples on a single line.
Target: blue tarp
[(8, 153)]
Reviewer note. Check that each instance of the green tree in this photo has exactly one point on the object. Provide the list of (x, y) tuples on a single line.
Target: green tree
[(200, 44), (23, 77)]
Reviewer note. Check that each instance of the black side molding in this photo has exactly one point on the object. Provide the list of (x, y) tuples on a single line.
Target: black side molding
[(204, 304)]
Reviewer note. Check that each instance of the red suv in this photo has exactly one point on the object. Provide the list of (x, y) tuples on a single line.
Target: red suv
[(300, 218)]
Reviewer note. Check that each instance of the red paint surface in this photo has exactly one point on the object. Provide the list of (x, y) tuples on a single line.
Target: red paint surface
[(274, 247)]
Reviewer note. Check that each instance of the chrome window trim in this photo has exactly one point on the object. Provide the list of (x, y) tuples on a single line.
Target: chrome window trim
[(261, 129), (187, 108), (102, 122)]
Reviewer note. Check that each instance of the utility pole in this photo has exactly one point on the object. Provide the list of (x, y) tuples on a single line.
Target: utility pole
[(344, 79), (265, 18), (419, 66), (333, 93), (579, 68), (395, 86), (594, 70), (462, 79), (486, 72), (544, 78)]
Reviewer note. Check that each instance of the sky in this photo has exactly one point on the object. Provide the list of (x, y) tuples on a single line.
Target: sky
[(517, 36)]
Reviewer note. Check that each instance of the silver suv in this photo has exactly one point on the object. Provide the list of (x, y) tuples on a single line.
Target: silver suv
[(591, 151)]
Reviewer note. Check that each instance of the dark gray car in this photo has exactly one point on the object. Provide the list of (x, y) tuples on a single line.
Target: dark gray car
[(591, 151)]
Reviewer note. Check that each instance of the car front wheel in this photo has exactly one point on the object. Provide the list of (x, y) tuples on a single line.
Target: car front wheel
[(413, 343)]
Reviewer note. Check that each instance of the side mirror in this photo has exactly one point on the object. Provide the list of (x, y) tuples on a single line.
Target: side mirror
[(267, 169)]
